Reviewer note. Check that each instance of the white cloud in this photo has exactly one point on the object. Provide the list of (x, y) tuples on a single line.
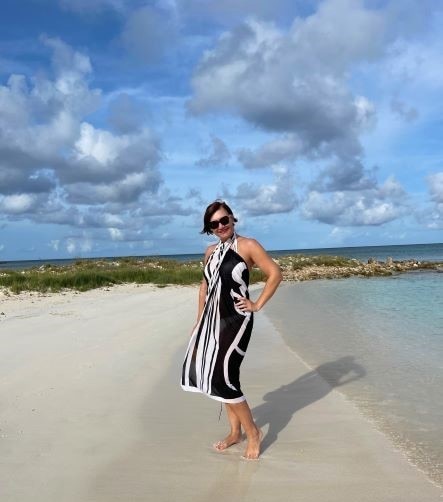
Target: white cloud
[(127, 189), (18, 204), (283, 148), (392, 189), (52, 159), (271, 198), (293, 81), (342, 175), (295, 84), (39, 118), (373, 206), (97, 144)]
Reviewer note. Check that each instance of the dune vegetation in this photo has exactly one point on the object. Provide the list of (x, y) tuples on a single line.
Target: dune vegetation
[(90, 274), (86, 274)]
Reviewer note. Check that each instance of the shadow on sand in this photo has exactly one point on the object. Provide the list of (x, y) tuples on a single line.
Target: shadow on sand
[(281, 404)]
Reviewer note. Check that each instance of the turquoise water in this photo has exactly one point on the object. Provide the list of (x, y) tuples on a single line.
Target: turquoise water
[(386, 334), (423, 252)]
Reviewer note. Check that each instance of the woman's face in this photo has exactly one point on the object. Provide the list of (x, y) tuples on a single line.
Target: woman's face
[(223, 232)]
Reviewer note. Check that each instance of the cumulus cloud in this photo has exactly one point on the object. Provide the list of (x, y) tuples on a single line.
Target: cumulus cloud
[(18, 203), (292, 81), (40, 119), (99, 156), (124, 190), (54, 164), (218, 156), (342, 175), (295, 85), (13, 180), (287, 147), (270, 198), (373, 206)]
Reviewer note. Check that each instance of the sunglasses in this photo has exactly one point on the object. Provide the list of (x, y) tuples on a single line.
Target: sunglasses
[(214, 223)]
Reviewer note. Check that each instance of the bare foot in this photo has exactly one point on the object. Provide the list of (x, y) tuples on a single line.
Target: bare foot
[(252, 451), (230, 439)]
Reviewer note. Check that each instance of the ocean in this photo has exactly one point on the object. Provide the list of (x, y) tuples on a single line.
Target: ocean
[(379, 341), (423, 252)]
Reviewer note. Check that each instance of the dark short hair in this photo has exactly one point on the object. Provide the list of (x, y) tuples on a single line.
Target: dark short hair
[(210, 210)]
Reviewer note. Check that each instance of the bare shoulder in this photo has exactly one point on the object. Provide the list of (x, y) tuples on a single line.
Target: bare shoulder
[(251, 250), (249, 243)]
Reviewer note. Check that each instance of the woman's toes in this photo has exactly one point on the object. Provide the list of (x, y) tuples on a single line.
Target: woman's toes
[(219, 445)]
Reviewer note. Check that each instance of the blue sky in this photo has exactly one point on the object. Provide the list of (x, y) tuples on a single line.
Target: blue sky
[(320, 123)]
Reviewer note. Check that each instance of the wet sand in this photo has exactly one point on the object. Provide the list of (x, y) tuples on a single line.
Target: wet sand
[(91, 410)]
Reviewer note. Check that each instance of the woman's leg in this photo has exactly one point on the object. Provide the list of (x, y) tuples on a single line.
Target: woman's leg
[(235, 434), (253, 433)]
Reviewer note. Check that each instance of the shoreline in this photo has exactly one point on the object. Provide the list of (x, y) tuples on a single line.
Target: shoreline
[(93, 408), (375, 389)]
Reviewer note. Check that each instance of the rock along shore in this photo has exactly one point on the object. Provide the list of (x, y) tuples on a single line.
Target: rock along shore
[(304, 268)]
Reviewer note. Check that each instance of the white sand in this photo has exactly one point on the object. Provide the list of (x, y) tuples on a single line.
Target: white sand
[(91, 410)]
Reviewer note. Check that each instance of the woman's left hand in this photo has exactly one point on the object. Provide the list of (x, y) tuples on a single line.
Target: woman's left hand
[(246, 305)]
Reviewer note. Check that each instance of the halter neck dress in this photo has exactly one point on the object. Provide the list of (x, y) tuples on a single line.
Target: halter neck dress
[(220, 339)]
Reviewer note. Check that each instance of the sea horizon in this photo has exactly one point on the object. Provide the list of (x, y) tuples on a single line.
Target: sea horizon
[(400, 252)]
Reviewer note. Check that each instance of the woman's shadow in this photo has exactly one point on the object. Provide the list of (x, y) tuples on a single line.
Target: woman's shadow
[(281, 404)]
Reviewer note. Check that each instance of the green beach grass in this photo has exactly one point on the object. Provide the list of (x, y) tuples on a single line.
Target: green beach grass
[(90, 274)]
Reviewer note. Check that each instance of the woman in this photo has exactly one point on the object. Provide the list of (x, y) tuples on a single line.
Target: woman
[(224, 323)]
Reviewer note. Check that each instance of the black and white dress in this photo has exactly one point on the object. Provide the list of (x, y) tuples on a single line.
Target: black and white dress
[(220, 339)]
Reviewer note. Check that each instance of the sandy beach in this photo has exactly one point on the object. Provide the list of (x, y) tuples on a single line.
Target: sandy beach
[(91, 410)]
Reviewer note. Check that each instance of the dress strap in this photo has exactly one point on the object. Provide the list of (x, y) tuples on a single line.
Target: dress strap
[(234, 244)]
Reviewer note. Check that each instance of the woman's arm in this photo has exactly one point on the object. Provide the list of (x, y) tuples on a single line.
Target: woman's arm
[(201, 298), (267, 265)]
